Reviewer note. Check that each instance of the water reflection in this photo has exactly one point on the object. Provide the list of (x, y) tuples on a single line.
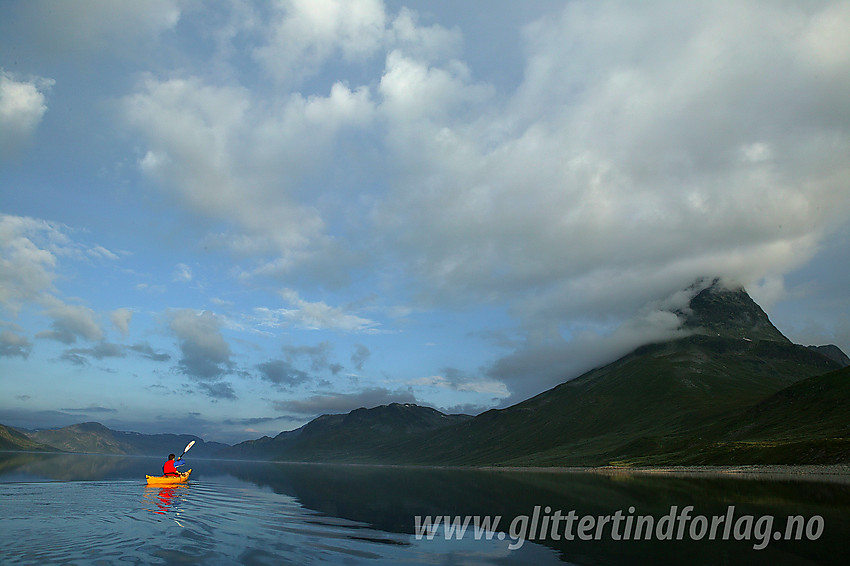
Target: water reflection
[(380, 504), (390, 498), (25, 466), (165, 500)]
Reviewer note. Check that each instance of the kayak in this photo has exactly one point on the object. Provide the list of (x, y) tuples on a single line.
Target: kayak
[(168, 480)]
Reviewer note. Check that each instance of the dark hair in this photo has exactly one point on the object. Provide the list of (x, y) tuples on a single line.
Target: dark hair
[(171, 456)]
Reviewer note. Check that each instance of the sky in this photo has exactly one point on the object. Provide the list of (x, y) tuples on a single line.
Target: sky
[(228, 218)]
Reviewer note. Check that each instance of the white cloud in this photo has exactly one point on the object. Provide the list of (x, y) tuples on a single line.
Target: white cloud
[(99, 252), (182, 273), (428, 43), (26, 265), (620, 158), (314, 316), (459, 382), (30, 250), (235, 158), (70, 322), (304, 34), (121, 320), (23, 104)]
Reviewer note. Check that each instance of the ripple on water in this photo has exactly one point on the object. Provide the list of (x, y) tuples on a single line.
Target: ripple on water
[(193, 523)]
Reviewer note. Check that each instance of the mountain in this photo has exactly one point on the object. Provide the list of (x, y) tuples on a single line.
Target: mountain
[(649, 403), (805, 423), (347, 437), (95, 438), (722, 310), (11, 439), (662, 403), (834, 353)]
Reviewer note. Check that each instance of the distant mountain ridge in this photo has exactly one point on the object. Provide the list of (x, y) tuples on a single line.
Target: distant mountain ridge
[(95, 438), (346, 437)]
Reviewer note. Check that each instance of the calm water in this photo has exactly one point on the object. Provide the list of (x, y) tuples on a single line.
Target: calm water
[(61, 509)]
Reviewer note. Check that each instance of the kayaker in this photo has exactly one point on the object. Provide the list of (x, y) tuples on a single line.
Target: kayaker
[(168, 468)]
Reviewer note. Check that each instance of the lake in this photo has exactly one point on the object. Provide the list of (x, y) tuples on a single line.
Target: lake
[(87, 509)]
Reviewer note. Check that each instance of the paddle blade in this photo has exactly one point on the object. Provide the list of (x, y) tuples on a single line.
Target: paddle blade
[(187, 448)]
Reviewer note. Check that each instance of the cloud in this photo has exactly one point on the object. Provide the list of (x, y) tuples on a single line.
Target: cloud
[(344, 402), (71, 322), (304, 34), (230, 156), (318, 355), (28, 260), (62, 29), (121, 320), (23, 104), (218, 390), (146, 350), (282, 373), (459, 380), (99, 351), (30, 250), (622, 153), (182, 273), (205, 354), (314, 316), (260, 420), (360, 355), (94, 409), (547, 359), (12, 344)]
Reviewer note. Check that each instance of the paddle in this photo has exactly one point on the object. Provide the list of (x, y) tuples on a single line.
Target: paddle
[(187, 449), (181, 455)]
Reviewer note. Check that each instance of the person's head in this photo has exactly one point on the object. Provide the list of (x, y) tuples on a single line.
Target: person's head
[(171, 456)]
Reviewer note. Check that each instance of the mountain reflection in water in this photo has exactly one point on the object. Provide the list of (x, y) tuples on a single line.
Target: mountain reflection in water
[(261, 513)]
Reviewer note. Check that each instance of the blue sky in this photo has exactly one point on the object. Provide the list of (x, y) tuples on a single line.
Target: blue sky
[(226, 219)]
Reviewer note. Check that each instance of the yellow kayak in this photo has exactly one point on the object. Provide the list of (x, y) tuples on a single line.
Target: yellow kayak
[(168, 480)]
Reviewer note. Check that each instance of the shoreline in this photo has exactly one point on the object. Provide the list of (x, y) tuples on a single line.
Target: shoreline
[(839, 473)]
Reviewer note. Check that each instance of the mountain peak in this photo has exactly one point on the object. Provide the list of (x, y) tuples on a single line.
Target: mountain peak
[(727, 310)]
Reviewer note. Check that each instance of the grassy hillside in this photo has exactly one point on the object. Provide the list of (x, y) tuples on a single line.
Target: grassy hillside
[(11, 439), (806, 423), (647, 402)]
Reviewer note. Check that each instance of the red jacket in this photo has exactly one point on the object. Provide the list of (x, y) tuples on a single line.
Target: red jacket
[(169, 470)]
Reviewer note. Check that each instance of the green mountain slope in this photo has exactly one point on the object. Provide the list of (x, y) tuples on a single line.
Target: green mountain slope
[(805, 423), (11, 439), (647, 402)]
